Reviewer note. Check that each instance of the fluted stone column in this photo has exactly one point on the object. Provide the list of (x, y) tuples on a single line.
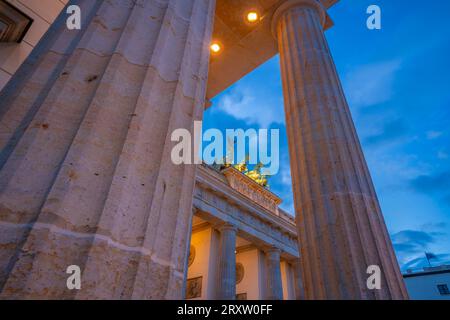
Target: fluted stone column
[(298, 280), (226, 271), (85, 171), (341, 228), (274, 289)]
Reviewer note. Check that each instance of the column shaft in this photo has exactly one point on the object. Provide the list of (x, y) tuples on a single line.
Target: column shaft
[(226, 271), (341, 228), (298, 285), (85, 171), (274, 289)]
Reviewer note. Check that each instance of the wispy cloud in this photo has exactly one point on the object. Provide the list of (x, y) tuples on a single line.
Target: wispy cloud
[(411, 245), (390, 132), (243, 104), (433, 134), (371, 84), (288, 201), (437, 185), (412, 239), (283, 185), (421, 261), (396, 168), (442, 155), (432, 183), (433, 226), (286, 175)]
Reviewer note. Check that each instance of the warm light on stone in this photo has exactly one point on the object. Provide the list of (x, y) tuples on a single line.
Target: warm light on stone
[(215, 47), (252, 16)]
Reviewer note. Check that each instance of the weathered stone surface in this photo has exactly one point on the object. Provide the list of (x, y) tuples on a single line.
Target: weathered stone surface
[(251, 189), (22, 97), (85, 175), (226, 271), (341, 228), (274, 290), (298, 279)]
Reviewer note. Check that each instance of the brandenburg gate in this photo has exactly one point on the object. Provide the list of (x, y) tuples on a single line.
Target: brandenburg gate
[(85, 171)]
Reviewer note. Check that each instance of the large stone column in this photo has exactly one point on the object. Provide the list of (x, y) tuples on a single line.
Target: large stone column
[(226, 271), (85, 172), (274, 288), (341, 228)]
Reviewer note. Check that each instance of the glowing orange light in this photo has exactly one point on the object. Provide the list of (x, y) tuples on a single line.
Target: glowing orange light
[(252, 16), (215, 47)]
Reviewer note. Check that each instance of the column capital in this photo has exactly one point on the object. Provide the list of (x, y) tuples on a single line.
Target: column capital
[(226, 227), (272, 250), (296, 262), (316, 4)]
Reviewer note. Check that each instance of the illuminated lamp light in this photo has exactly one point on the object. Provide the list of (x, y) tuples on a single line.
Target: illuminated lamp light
[(215, 47), (252, 16)]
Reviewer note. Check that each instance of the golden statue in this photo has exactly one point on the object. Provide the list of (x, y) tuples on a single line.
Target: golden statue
[(242, 167), (256, 175)]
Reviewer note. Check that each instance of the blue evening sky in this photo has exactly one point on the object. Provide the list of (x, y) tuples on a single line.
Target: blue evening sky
[(397, 83)]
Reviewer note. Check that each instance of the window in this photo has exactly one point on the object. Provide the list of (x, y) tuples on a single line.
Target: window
[(14, 24), (443, 289), (241, 296), (194, 288)]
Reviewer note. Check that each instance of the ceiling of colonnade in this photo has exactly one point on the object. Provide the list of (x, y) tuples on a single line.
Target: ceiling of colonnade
[(244, 45)]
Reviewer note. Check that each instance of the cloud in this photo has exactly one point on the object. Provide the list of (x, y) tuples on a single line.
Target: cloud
[(412, 239), (242, 104), (286, 181), (396, 169), (283, 187), (433, 185), (411, 245), (286, 175), (433, 134), (371, 84), (430, 184), (434, 226), (391, 131), (421, 261), (442, 155)]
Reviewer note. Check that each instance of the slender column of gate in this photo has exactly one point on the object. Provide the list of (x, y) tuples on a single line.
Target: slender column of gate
[(340, 224)]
